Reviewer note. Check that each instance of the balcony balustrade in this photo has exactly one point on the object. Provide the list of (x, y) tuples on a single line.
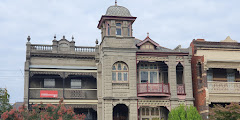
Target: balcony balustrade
[(49, 48), (181, 89), (223, 87), (153, 88), (67, 93)]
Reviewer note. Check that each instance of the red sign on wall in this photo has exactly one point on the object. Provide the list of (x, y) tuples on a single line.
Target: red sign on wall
[(48, 94)]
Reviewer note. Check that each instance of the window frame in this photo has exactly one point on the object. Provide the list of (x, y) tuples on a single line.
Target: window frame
[(119, 27), (76, 86), (121, 71), (142, 68), (49, 79)]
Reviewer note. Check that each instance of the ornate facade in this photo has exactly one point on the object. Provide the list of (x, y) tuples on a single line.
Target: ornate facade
[(215, 67), (122, 78)]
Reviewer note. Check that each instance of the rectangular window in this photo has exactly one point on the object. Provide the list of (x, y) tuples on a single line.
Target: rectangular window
[(209, 75), (114, 76), (153, 77), (230, 75), (144, 76), (125, 76), (108, 29), (120, 76), (165, 77), (118, 31), (49, 83), (76, 83)]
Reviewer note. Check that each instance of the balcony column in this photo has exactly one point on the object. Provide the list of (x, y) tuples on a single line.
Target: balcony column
[(63, 84), (187, 75), (172, 80)]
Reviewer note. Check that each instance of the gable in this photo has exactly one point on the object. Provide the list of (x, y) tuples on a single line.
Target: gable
[(147, 43), (147, 46)]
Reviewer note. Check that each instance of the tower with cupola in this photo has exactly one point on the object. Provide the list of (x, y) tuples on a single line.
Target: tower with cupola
[(117, 89)]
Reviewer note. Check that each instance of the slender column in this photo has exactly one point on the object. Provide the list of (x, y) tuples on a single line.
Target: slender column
[(188, 80), (63, 85)]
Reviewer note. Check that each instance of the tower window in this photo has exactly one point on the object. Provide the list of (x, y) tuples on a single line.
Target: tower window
[(118, 29), (108, 28)]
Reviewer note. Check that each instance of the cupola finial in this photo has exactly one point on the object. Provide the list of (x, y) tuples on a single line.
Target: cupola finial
[(55, 37), (115, 2), (148, 34)]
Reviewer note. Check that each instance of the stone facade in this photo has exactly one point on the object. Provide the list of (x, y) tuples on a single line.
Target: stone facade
[(122, 78)]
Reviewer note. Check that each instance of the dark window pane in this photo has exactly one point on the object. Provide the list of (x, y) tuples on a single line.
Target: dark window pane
[(125, 76), (125, 68), (120, 76), (114, 76), (118, 31), (114, 67), (119, 67), (118, 24), (144, 77)]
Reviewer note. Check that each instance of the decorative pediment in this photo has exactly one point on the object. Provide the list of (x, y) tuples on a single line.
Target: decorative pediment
[(228, 39), (147, 43)]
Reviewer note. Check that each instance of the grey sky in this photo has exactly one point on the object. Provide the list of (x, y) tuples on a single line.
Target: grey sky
[(169, 22)]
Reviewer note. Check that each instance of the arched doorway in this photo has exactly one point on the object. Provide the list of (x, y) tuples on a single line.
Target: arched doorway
[(120, 112)]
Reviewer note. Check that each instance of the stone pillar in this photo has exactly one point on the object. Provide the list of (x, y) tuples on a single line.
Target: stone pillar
[(133, 110), (26, 83), (125, 29), (108, 110), (172, 80), (187, 75), (54, 46), (113, 28), (72, 47)]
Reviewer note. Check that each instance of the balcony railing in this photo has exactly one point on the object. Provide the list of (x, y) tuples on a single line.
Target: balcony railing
[(84, 49), (153, 88), (181, 89), (224, 87), (68, 93)]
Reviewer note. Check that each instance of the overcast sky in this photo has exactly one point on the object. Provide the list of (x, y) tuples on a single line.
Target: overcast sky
[(169, 22)]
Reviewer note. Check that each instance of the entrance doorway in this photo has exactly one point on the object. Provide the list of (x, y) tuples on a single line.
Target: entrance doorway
[(120, 112)]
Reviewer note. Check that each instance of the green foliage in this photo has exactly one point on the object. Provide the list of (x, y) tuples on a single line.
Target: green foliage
[(229, 112), (43, 112), (183, 112), (4, 101)]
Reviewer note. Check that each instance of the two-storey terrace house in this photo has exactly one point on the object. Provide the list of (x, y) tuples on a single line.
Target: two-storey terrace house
[(215, 71), (138, 79), (61, 70)]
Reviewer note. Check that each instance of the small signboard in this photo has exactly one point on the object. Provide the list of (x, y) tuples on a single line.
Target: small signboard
[(48, 94)]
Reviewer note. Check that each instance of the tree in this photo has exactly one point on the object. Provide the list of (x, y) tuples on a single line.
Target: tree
[(183, 112), (4, 101), (43, 112), (229, 112)]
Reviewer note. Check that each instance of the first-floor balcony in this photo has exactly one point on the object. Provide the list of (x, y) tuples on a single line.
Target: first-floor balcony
[(153, 89), (67, 93), (158, 89), (224, 87)]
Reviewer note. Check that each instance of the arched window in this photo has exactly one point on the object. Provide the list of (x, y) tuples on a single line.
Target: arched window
[(119, 72)]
